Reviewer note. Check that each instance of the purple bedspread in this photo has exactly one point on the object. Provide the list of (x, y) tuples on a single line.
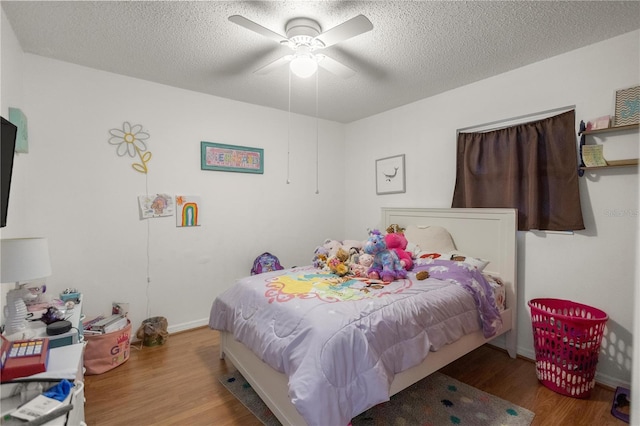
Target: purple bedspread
[(340, 341)]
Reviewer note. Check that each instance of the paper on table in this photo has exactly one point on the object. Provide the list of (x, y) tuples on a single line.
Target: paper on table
[(64, 362)]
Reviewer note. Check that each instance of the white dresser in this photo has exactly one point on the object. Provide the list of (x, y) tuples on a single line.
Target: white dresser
[(65, 362)]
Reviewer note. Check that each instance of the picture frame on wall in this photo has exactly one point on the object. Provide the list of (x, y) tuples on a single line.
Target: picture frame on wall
[(627, 106), (231, 158), (390, 175)]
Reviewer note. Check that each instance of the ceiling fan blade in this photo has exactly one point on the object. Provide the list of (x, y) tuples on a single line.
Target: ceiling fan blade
[(335, 67), (257, 28), (273, 65), (351, 28)]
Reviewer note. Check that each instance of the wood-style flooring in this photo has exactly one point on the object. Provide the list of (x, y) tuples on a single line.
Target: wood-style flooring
[(177, 384)]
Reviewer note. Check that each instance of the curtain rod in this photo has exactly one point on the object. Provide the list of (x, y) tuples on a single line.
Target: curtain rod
[(508, 120)]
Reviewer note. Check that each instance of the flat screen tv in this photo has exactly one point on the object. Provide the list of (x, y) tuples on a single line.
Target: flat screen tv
[(7, 149)]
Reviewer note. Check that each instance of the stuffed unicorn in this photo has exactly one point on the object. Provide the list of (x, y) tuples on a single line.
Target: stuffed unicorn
[(386, 265)]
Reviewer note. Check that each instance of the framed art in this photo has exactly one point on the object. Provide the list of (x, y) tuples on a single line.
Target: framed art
[(628, 106), (390, 175), (18, 118), (231, 158)]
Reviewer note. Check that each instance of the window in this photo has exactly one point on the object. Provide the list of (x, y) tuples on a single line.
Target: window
[(532, 167)]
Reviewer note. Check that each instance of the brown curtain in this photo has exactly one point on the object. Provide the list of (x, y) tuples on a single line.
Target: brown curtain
[(532, 167)]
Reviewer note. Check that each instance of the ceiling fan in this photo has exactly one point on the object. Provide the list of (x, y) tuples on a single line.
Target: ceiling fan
[(305, 37)]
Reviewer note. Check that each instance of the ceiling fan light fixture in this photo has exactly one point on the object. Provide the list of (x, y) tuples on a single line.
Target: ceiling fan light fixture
[(303, 65)]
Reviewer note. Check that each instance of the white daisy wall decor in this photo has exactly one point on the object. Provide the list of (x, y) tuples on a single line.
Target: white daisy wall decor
[(131, 140)]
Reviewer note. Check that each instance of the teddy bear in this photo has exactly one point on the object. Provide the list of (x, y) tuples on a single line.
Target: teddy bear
[(338, 264), (386, 265), (397, 242)]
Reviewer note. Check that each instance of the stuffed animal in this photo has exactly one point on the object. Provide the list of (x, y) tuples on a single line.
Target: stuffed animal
[(397, 242), (338, 264), (395, 229), (328, 249), (352, 244), (332, 247), (320, 256), (386, 266), (360, 264)]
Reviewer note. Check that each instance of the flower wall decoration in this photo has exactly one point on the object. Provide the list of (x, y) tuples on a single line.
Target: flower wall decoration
[(131, 140)]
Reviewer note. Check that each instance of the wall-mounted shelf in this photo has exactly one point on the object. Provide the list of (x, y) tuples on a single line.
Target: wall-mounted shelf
[(631, 162), (608, 129)]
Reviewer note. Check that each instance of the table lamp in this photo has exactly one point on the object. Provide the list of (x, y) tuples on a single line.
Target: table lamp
[(21, 260)]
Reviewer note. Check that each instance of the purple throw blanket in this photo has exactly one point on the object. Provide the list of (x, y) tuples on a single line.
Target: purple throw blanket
[(472, 280)]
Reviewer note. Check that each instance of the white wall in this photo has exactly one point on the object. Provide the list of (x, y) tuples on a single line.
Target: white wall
[(72, 188), (595, 266), (11, 81)]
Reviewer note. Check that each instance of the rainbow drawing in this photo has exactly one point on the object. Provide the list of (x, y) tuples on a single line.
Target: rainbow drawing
[(187, 210)]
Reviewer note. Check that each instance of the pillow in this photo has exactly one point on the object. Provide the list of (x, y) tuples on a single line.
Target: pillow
[(435, 239), (455, 256), (473, 261)]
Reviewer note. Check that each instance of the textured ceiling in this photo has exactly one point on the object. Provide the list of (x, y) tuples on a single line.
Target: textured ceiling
[(416, 48)]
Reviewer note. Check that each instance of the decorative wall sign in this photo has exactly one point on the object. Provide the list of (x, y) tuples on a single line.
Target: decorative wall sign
[(390, 175), (231, 158), (187, 210), (628, 106), (155, 205), (131, 140), (18, 118)]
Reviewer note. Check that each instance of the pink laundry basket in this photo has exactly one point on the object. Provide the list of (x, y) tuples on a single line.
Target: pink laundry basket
[(566, 338)]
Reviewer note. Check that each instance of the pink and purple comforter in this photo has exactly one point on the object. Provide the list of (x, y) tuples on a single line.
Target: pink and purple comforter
[(340, 341)]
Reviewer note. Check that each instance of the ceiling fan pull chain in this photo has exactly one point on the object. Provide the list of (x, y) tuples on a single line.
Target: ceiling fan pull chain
[(289, 134), (317, 145)]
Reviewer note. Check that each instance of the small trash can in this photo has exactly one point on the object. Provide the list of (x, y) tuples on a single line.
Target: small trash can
[(566, 338), (153, 331)]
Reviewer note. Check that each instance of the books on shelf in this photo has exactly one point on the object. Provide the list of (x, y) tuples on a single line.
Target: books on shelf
[(592, 156), (102, 325)]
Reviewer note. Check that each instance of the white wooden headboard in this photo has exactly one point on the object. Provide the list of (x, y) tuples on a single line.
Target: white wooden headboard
[(486, 233)]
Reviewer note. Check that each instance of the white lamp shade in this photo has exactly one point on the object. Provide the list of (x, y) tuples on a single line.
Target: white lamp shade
[(303, 65), (24, 259)]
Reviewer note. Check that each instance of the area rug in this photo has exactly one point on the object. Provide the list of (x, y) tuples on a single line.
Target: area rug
[(436, 400)]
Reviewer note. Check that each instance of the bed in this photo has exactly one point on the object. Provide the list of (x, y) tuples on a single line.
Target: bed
[(486, 233)]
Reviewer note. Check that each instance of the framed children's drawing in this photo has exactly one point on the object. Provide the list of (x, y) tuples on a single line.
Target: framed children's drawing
[(231, 158), (390, 175)]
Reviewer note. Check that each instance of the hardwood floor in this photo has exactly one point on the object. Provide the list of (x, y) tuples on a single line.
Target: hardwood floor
[(177, 384)]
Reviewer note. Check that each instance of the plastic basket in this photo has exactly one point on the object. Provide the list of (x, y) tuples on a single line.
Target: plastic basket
[(566, 338)]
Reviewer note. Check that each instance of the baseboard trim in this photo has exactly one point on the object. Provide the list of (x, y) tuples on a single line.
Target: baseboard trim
[(187, 325)]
